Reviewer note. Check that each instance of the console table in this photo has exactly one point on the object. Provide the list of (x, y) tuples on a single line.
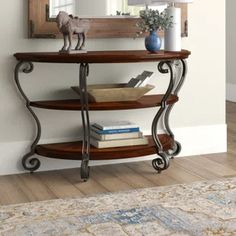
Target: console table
[(164, 145)]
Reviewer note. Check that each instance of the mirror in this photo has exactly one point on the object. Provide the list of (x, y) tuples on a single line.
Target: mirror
[(108, 18), (105, 8)]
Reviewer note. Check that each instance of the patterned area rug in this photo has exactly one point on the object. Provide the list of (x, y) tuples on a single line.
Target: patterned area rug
[(203, 208)]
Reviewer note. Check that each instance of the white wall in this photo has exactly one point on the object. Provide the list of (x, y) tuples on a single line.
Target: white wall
[(231, 50), (199, 117)]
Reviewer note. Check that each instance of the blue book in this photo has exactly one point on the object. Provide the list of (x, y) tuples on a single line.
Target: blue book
[(114, 131)]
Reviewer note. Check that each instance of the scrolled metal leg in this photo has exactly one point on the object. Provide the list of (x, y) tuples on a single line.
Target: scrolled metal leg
[(180, 65), (84, 72), (162, 162), (85, 169), (176, 149), (29, 163)]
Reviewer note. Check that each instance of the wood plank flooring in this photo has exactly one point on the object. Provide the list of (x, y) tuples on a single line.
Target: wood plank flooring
[(112, 178)]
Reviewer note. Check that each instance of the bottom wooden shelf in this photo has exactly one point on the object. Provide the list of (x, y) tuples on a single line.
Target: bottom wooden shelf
[(72, 150)]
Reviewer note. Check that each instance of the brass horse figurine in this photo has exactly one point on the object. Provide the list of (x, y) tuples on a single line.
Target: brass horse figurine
[(68, 26)]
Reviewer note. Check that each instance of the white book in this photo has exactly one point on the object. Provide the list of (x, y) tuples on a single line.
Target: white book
[(109, 125), (73, 52), (103, 137), (119, 143)]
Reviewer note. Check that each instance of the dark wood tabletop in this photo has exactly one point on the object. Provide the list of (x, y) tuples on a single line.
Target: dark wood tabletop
[(102, 56)]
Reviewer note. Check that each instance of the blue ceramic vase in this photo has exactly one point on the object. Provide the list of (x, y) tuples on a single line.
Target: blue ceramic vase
[(153, 42)]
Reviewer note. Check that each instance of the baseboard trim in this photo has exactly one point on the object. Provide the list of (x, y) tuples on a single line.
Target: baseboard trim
[(195, 141), (231, 92)]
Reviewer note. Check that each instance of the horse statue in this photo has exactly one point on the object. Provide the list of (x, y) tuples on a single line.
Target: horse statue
[(69, 25)]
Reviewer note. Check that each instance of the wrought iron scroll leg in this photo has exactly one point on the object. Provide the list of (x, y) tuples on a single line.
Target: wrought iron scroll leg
[(179, 81), (29, 163), (162, 162), (84, 71)]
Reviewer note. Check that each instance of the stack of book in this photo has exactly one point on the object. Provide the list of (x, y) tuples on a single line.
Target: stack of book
[(116, 134)]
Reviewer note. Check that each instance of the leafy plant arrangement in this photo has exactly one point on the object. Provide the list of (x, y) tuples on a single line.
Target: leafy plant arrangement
[(153, 20)]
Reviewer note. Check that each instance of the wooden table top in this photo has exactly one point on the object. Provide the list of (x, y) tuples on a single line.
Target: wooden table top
[(126, 56)]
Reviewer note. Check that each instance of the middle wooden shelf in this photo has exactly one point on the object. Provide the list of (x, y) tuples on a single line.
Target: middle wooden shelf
[(74, 104)]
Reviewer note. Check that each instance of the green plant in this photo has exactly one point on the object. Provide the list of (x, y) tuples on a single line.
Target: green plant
[(153, 20)]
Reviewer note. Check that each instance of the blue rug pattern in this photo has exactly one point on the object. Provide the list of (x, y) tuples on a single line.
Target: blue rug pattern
[(201, 209)]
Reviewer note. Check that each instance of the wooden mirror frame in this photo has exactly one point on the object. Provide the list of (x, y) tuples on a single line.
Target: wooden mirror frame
[(42, 26)]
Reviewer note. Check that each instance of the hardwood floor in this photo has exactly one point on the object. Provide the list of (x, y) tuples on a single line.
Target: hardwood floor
[(112, 178)]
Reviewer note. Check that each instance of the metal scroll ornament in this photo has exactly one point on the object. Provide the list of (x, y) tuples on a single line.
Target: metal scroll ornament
[(177, 70), (29, 162), (85, 169)]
